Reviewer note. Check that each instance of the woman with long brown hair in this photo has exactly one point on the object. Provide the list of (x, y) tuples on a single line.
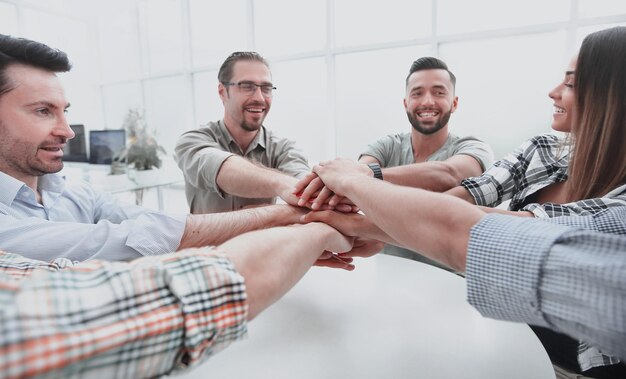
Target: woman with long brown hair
[(584, 175)]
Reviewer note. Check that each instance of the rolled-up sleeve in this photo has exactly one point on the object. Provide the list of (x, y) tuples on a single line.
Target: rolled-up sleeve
[(200, 157)]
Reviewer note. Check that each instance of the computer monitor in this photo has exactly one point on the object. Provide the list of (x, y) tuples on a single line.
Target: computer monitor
[(76, 149), (104, 144)]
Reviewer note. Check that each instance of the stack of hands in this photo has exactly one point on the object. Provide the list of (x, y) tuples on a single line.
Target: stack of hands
[(323, 192)]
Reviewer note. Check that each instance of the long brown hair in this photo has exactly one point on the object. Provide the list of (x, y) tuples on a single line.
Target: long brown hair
[(598, 162)]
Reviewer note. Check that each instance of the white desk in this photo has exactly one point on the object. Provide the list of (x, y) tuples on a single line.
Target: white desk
[(99, 177), (390, 318)]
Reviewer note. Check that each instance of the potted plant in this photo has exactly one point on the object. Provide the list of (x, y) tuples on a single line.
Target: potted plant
[(142, 151)]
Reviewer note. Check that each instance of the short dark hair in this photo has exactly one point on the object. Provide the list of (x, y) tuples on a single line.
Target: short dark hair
[(15, 50), (226, 71), (430, 63)]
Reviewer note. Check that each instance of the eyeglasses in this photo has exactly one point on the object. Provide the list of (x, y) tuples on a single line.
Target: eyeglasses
[(249, 88)]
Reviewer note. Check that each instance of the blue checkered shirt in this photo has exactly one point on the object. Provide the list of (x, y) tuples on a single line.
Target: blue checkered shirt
[(566, 273)]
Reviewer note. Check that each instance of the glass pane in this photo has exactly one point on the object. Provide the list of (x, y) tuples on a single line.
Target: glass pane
[(118, 99), (359, 23), (208, 106), (164, 39), (370, 90), (287, 27), (210, 44), (300, 108), (8, 19), (455, 16), (119, 47), (595, 8), (503, 87), (168, 109)]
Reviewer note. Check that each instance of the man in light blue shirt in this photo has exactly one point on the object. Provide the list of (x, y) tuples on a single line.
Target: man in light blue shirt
[(42, 216)]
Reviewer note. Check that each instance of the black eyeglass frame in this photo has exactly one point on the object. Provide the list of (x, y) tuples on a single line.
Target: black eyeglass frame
[(266, 89)]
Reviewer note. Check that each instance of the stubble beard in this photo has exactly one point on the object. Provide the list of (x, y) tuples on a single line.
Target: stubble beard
[(443, 121)]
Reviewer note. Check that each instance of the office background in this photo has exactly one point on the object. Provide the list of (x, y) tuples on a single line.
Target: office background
[(339, 65)]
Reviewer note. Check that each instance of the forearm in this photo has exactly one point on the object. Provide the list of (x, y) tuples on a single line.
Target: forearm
[(434, 224), (433, 176), (272, 261), (240, 177), (461, 193), (215, 228)]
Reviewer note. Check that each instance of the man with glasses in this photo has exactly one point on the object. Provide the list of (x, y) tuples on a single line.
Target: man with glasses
[(237, 162)]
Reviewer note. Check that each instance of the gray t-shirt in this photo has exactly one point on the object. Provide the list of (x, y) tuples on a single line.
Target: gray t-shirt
[(397, 150), (201, 152)]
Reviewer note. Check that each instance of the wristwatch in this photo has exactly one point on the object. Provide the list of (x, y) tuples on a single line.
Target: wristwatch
[(378, 173)]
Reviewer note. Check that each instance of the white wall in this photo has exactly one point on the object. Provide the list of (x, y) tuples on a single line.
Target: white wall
[(339, 65)]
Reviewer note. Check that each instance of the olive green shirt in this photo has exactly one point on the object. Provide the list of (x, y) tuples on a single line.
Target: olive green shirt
[(201, 152)]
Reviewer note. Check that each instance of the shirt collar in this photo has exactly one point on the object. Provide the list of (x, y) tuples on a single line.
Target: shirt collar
[(259, 139), (10, 187)]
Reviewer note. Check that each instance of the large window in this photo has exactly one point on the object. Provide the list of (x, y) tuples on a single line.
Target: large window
[(340, 65)]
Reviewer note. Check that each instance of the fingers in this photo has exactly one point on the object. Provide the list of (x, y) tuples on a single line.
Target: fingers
[(345, 223), (363, 248), (304, 182), (322, 198), (336, 262), (314, 186)]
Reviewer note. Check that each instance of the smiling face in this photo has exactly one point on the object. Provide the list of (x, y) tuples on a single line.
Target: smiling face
[(429, 100), (564, 98), (241, 110), (33, 128)]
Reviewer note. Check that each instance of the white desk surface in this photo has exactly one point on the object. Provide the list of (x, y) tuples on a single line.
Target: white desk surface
[(390, 318), (100, 178)]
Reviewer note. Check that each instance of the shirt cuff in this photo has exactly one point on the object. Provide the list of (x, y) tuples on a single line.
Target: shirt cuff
[(505, 257), (156, 233)]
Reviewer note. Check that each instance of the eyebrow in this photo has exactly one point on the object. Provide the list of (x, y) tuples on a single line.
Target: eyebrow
[(569, 73), (47, 104), (438, 86)]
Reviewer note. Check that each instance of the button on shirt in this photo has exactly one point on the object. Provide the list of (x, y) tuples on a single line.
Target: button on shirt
[(200, 154), (76, 222)]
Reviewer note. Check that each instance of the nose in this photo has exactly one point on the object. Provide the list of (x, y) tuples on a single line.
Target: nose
[(257, 94), (428, 99), (555, 93), (63, 129)]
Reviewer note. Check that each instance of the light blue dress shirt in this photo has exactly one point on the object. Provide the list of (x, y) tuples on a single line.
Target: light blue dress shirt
[(568, 274), (76, 222)]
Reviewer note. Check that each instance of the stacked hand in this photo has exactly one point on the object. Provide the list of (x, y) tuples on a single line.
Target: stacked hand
[(321, 189)]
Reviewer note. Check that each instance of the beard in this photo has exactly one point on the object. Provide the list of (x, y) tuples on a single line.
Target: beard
[(443, 121), (251, 128)]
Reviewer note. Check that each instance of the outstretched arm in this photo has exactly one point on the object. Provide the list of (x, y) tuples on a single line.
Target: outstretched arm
[(433, 176), (215, 228), (240, 177), (273, 260)]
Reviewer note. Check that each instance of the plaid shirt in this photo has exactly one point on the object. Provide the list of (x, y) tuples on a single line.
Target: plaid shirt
[(568, 274), (534, 165), (96, 319)]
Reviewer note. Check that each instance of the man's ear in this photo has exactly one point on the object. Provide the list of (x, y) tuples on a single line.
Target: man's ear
[(222, 91), (404, 103), (455, 104)]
